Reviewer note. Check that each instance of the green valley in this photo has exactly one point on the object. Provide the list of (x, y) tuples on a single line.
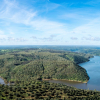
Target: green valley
[(25, 70)]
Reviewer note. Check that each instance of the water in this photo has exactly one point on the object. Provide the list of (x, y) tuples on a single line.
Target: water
[(2, 81), (93, 70)]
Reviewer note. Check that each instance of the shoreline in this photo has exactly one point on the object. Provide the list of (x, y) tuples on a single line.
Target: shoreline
[(5, 81), (73, 80), (65, 80)]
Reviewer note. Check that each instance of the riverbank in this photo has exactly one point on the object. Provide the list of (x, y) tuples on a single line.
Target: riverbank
[(64, 80), (92, 67), (5, 81)]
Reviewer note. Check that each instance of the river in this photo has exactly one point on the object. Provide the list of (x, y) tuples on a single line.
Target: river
[(1, 81), (93, 69)]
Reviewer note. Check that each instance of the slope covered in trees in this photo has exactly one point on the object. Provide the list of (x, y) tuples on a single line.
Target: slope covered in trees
[(26, 64), (41, 90)]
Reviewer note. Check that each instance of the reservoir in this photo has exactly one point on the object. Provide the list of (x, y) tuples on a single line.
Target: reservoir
[(93, 69)]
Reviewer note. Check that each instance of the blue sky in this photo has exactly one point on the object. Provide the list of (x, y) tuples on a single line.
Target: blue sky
[(49, 22)]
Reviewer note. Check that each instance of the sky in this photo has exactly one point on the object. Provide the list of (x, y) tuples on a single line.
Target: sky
[(49, 22)]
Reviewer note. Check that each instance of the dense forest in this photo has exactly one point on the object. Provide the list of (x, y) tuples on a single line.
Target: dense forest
[(25, 64), (25, 69)]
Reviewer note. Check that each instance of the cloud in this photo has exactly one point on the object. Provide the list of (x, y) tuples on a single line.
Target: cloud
[(33, 37), (50, 6), (91, 38), (29, 17), (12, 32), (12, 39), (23, 17), (21, 39), (13, 12), (1, 32), (74, 38), (46, 5), (51, 38), (92, 2), (2, 35), (16, 17), (48, 27), (72, 15), (7, 7), (91, 27), (16, 39), (2, 39)]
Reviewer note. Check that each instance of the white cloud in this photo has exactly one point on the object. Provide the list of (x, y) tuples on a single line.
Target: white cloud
[(12, 32), (31, 18), (90, 28), (51, 38), (23, 17), (2, 35), (91, 38), (1, 32), (7, 8), (50, 6), (72, 16), (92, 2), (16, 39), (74, 38), (48, 27), (43, 28)]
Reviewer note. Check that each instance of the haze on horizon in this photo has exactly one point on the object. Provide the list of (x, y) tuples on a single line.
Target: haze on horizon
[(49, 22)]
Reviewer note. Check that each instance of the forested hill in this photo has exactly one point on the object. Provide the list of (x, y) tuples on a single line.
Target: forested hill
[(26, 64)]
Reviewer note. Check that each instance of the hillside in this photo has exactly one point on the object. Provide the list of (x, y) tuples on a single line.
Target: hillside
[(26, 68), (26, 64), (41, 90)]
